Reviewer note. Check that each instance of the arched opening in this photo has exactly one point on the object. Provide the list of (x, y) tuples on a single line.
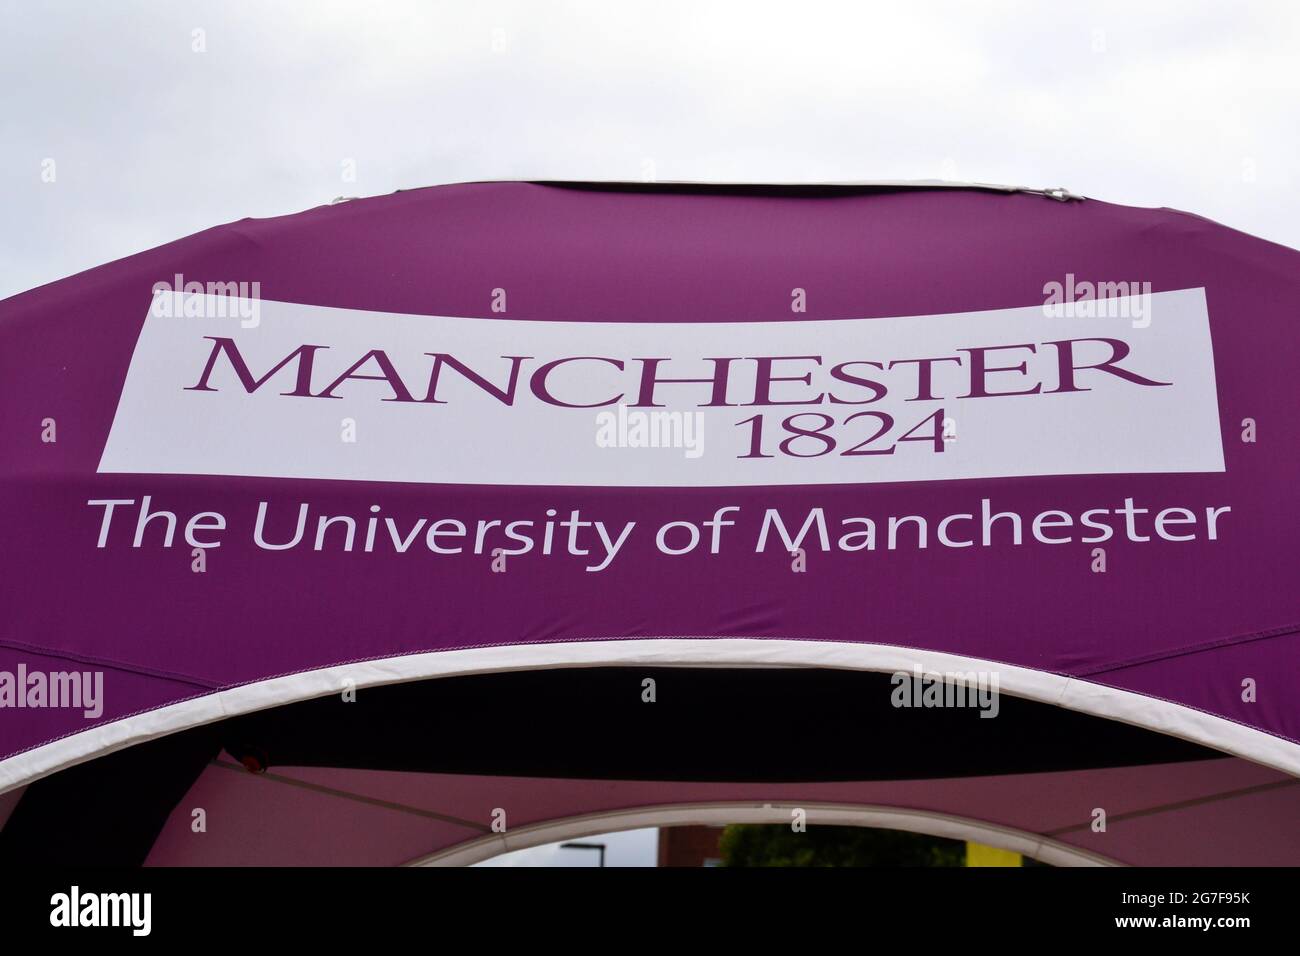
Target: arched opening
[(418, 771), (1086, 697), (1043, 849)]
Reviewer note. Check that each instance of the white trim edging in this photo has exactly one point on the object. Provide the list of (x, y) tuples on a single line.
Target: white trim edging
[(1042, 848), (1152, 713)]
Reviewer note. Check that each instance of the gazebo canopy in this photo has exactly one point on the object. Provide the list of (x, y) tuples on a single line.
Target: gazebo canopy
[(968, 511)]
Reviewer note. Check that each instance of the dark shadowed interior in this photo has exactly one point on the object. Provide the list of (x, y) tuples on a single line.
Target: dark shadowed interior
[(739, 725)]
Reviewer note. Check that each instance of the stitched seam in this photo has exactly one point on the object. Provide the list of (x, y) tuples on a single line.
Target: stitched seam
[(111, 665), (1284, 631)]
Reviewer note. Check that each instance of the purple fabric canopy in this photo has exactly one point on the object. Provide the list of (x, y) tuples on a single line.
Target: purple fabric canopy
[(920, 431)]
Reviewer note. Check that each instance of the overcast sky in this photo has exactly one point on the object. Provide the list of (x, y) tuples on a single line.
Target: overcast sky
[(626, 848), (127, 124), (156, 131)]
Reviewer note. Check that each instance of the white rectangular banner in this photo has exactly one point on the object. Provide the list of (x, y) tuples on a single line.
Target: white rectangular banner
[(237, 386)]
